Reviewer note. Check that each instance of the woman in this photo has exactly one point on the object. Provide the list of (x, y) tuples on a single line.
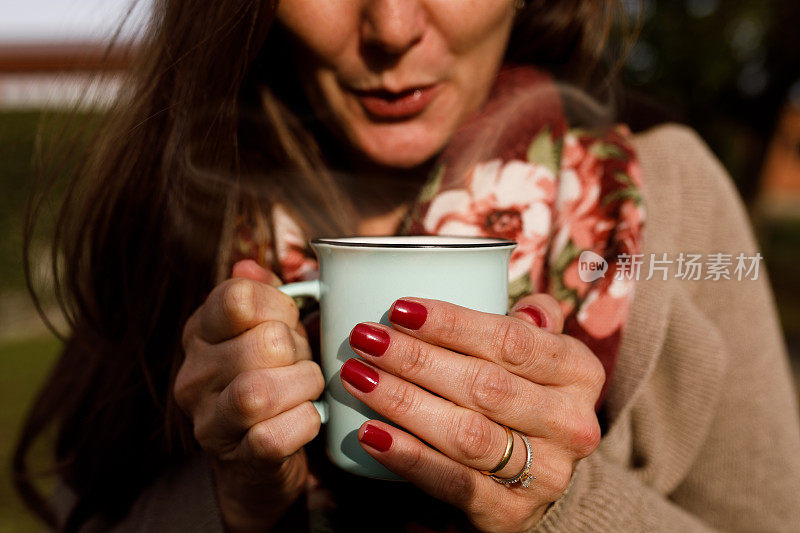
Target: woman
[(182, 398)]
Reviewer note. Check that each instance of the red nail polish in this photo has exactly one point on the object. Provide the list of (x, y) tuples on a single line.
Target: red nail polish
[(377, 438), (534, 312), (359, 375), (408, 314), (370, 339)]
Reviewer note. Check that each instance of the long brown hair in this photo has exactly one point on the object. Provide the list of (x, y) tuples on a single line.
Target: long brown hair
[(143, 233)]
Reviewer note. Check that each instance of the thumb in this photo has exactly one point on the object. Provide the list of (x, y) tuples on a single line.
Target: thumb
[(540, 309), (247, 268)]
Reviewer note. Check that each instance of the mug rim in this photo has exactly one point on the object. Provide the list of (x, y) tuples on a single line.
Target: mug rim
[(469, 242)]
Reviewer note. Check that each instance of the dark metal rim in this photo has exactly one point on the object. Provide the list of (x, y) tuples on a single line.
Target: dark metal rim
[(493, 244)]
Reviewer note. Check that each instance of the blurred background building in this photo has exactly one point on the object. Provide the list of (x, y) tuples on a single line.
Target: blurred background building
[(58, 75), (729, 69), (779, 187)]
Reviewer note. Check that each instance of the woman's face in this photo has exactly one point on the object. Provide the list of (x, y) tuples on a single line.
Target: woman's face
[(396, 77)]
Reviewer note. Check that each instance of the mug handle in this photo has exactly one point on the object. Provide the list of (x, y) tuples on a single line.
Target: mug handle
[(312, 289)]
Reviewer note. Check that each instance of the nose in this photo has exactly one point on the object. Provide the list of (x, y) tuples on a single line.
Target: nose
[(393, 26)]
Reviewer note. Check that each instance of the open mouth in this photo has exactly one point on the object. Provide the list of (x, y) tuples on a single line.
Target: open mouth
[(386, 105)]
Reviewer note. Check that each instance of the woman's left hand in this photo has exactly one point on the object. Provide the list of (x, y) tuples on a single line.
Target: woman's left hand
[(453, 377)]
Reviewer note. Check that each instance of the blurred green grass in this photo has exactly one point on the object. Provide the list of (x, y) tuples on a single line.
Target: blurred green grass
[(23, 366), (17, 137), (24, 362), (20, 132)]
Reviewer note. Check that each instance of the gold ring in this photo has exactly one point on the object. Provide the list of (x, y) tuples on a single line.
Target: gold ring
[(506, 456), (525, 475)]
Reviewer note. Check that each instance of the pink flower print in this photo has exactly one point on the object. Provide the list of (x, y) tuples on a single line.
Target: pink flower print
[(629, 232), (572, 280), (578, 198), (606, 306), (511, 200), (295, 262)]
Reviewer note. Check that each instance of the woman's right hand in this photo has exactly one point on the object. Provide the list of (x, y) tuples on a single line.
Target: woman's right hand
[(247, 383)]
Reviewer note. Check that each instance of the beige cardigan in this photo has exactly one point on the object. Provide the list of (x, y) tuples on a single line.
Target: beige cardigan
[(704, 432)]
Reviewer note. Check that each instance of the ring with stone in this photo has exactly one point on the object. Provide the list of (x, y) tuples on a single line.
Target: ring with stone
[(524, 476)]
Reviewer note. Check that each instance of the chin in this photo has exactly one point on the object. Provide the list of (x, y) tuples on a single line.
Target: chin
[(401, 146), (399, 158)]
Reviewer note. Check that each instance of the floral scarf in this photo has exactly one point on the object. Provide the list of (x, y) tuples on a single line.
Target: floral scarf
[(517, 170)]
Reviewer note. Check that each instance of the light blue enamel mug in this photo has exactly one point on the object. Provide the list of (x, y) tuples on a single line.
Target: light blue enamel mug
[(359, 279)]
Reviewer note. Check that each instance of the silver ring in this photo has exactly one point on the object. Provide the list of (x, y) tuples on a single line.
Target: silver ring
[(524, 476)]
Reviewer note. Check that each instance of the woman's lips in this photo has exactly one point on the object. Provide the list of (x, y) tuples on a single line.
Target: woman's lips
[(386, 105)]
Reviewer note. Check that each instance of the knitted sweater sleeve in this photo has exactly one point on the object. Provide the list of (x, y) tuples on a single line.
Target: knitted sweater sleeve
[(743, 474)]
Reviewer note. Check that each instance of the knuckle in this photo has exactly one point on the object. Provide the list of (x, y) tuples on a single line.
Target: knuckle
[(284, 304), (237, 299), (588, 367), (312, 414), (274, 338), (513, 341), (596, 373), (491, 388), (449, 323), (311, 376), (200, 434), (588, 438), (276, 442), (584, 435), (183, 390), (179, 389), (190, 343), (316, 375), (204, 434), (416, 360), (411, 459), (264, 443), (249, 395), (401, 399), (472, 437), (462, 486), (186, 338), (188, 333), (191, 340)]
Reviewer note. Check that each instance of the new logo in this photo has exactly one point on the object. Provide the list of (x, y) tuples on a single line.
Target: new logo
[(591, 266)]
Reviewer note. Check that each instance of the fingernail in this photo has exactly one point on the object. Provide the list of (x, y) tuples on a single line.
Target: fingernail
[(408, 314), (359, 375), (376, 438), (535, 312), (370, 339)]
